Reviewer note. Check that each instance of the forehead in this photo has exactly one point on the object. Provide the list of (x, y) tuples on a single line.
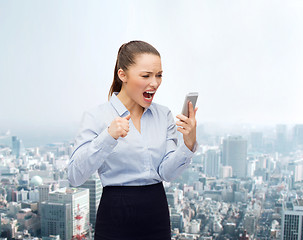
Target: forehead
[(147, 62)]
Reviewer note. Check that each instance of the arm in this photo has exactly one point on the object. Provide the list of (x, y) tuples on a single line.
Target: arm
[(176, 158), (90, 150)]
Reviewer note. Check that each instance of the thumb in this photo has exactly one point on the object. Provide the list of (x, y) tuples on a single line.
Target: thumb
[(191, 110), (127, 117)]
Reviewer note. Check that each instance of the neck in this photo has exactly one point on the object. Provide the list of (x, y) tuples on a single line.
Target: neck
[(133, 107)]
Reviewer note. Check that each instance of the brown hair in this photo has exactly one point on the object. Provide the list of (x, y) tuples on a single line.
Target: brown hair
[(126, 57)]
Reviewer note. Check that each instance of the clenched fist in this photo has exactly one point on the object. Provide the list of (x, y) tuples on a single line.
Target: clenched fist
[(119, 127)]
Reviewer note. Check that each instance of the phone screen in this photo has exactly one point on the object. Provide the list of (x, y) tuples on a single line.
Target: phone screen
[(192, 97)]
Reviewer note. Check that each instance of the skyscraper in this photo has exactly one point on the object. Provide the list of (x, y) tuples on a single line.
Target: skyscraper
[(234, 154), (281, 144), (43, 192), (212, 162), (176, 220), (74, 197), (292, 220), (225, 172), (95, 191), (298, 135), (56, 220), (296, 169), (17, 146), (256, 141)]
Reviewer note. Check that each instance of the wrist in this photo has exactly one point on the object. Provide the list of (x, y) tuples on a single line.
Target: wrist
[(190, 146), (110, 133)]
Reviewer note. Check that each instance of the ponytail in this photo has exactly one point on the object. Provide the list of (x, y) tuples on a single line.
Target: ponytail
[(117, 83)]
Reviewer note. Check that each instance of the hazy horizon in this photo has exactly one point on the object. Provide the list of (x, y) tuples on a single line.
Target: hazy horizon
[(244, 58), (36, 137)]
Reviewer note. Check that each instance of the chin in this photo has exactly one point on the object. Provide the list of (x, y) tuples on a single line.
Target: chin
[(145, 105)]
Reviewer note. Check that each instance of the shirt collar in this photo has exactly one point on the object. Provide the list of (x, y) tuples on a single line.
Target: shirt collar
[(120, 108)]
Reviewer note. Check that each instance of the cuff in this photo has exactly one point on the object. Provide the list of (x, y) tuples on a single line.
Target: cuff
[(186, 152), (105, 141), (194, 148)]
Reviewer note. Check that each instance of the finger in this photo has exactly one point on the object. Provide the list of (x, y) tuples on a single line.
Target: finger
[(181, 124), (182, 117), (195, 111), (185, 127), (126, 128), (124, 134), (124, 124), (191, 110), (181, 130), (120, 130), (127, 117)]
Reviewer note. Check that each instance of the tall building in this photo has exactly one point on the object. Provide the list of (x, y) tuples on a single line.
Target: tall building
[(298, 135), (172, 198), (296, 169), (281, 144), (74, 197), (43, 192), (176, 220), (212, 163), (17, 146), (292, 220), (256, 141), (251, 168), (234, 154), (250, 223), (225, 171), (95, 191), (56, 220)]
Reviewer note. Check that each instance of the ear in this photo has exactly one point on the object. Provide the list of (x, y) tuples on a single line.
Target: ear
[(122, 75)]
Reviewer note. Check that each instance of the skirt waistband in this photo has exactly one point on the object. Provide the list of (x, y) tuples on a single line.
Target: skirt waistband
[(132, 189)]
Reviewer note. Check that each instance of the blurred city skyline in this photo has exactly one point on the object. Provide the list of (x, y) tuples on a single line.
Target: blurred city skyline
[(57, 59)]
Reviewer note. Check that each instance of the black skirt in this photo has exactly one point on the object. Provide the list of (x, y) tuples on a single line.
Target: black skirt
[(133, 213)]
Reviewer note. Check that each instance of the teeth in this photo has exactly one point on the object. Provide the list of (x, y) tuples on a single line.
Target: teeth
[(149, 94)]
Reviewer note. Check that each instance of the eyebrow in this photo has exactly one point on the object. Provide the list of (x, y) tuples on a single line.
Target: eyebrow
[(151, 72)]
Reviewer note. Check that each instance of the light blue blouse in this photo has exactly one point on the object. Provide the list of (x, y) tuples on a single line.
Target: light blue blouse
[(138, 159)]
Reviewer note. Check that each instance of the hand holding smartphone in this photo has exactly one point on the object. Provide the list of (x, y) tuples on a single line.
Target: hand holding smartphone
[(192, 97)]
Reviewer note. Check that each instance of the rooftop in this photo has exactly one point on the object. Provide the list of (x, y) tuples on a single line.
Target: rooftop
[(298, 202)]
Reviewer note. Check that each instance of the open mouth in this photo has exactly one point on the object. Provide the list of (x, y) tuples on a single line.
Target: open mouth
[(148, 95)]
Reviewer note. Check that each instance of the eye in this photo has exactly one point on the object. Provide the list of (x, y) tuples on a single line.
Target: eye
[(160, 75), (145, 76)]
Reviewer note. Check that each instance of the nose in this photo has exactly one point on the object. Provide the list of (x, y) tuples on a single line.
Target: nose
[(155, 82)]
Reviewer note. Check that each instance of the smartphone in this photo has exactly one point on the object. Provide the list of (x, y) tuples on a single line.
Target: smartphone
[(192, 97)]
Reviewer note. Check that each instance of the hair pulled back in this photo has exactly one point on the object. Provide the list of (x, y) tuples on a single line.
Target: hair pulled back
[(126, 57)]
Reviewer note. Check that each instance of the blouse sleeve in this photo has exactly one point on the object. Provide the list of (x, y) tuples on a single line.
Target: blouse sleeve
[(176, 158), (90, 150)]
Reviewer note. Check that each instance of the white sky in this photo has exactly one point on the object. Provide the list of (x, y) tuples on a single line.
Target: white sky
[(244, 58)]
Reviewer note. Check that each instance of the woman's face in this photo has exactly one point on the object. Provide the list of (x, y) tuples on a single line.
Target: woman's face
[(143, 78)]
